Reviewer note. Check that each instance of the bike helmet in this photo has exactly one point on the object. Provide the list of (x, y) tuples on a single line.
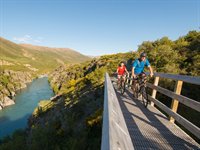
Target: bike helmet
[(143, 54)]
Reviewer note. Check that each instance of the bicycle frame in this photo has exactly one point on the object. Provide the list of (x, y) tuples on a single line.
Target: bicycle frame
[(139, 88)]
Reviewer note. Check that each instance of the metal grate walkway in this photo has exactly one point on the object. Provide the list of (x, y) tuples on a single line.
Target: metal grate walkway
[(150, 129)]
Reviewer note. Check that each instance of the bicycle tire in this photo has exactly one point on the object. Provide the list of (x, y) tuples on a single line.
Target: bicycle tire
[(144, 96), (122, 87), (118, 84)]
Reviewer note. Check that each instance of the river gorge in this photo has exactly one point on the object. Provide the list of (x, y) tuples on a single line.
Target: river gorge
[(26, 100)]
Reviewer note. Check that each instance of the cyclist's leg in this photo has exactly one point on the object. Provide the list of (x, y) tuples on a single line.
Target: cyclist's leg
[(118, 77), (143, 75), (118, 80), (133, 83), (124, 78)]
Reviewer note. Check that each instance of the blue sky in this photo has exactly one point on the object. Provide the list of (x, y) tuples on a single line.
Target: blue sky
[(96, 27)]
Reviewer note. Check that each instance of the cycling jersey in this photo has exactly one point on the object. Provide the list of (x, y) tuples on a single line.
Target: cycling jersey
[(121, 70), (139, 65)]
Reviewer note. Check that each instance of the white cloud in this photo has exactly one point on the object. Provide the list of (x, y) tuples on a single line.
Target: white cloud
[(28, 39), (25, 38), (28, 36)]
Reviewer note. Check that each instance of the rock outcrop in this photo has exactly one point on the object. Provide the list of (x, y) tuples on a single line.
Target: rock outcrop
[(3, 62), (10, 82), (66, 73)]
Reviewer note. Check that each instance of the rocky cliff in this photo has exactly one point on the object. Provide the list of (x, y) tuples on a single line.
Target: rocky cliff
[(10, 82)]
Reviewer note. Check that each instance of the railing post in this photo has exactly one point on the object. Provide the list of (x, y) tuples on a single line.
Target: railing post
[(174, 105), (156, 80)]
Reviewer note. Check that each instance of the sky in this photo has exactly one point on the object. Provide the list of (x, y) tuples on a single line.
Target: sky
[(96, 27)]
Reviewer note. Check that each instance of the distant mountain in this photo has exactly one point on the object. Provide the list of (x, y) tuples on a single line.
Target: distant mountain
[(36, 58), (91, 56)]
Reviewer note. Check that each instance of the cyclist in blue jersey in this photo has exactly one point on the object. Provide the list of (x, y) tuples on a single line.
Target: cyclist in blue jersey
[(138, 71), (139, 64)]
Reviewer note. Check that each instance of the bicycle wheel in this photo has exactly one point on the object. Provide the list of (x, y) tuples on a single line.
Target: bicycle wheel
[(118, 84), (136, 90), (122, 87), (144, 96)]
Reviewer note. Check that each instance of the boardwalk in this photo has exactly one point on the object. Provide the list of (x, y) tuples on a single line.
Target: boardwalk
[(150, 129)]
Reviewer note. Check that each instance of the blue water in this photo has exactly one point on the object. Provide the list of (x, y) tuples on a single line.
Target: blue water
[(15, 116)]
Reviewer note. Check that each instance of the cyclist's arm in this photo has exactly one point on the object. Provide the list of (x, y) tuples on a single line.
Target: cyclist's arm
[(151, 70), (133, 68), (133, 73), (117, 70), (126, 71)]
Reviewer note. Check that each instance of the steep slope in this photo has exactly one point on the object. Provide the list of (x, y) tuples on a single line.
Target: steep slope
[(35, 58)]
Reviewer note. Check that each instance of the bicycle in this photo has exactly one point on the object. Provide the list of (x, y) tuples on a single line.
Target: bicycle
[(121, 84), (139, 88)]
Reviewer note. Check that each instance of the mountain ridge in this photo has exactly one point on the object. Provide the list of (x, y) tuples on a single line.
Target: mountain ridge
[(43, 48), (41, 59)]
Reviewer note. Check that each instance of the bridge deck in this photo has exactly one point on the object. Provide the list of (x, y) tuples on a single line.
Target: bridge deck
[(149, 128)]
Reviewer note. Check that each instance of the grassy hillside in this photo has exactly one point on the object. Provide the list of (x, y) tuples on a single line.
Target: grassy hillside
[(38, 59), (61, 55)]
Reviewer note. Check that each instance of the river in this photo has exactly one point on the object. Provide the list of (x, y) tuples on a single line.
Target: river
[(15, 116)]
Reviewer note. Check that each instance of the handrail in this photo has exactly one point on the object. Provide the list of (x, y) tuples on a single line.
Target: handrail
[(176, 98), (184, 78), (115, 134), (187, 124), (184, 100)]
